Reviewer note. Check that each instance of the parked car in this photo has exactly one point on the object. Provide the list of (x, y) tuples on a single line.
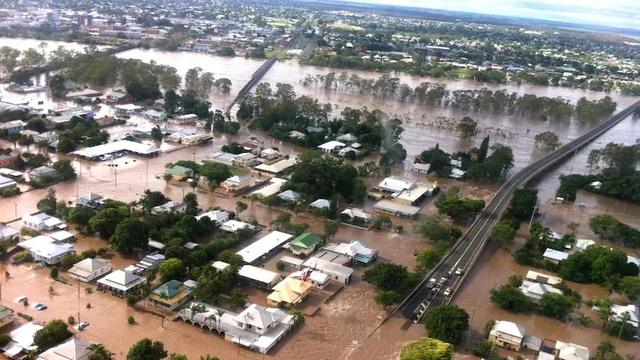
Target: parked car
[(40, 307), (81, 325)]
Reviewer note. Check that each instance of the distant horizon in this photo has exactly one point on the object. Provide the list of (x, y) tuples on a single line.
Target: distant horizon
[(613, 13)]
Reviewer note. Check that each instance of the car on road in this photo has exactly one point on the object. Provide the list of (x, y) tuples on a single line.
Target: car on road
[(447, 292), (459, 271), (431, 283), (442, 281), (81, 325), (39, 307), (21, 300)]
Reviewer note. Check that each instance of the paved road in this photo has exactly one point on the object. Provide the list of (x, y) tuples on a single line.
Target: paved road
[(467, 249)]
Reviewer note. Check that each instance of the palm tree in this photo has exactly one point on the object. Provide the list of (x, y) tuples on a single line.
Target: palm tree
[(605, 311), (99, 352)]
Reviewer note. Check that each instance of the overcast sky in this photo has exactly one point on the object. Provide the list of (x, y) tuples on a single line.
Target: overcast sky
[(615, 13)]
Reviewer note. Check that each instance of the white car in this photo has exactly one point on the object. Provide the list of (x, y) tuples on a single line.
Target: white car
[(459, 271), (39, 306), (21, 299), (81, 325), (447, 292)]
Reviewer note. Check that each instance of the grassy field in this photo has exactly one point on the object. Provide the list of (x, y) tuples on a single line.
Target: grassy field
[(345, 27)]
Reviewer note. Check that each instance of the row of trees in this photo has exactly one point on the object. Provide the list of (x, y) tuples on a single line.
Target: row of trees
[(482, 100), (612, 229)]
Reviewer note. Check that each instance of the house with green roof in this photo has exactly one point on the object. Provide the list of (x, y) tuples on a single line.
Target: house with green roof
[(305, 244), (170, 295), (179, 173)]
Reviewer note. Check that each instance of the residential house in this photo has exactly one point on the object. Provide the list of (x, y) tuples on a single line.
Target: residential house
[(337, 272), (184, 119), (297, 135), (536, 291), (289, 291), (394, 185), (619, 312), (236, 183), (170, 207), (348, 138), (43, 174), (179, 173), (543, 278), (121, 283), (233, 226), (6, 316), (118, 97), (155, 115), (356, 215), (45, 250), (264, 247), (321, 204), (394, 208), (269, 154), (91, 200), (127, 109), (507, 334), (421, 168), (12, 127), (259, 277), (21, 340), (290, 196), (41, 222), (220, 265), (7, 184), (9, 234), (216, 216), (11, 174), (555, 256), (244, 160), (89, 269), (317, 278), (72, 349), (220, 157), (583, 244), (170, 295), (357, 250), (559, 350), (256, 327), (279, 167), (331, 146), (304, 244)]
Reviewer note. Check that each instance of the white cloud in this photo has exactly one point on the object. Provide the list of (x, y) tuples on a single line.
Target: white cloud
[(616, 13)]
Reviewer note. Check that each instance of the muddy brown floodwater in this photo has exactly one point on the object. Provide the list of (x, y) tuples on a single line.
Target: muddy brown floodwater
[(346, 326)]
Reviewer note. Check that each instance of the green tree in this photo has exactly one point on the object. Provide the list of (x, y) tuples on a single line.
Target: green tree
[(468, 127), (156, 133), (547, 141), (427, 349), (386, 276), (151, 199), (171, 269), (99, 352), (440, 161), (145, 349), (388, 298), (56, 85), (191, 200), (65, 169), (447, 323), (607, 351), (460, 209), (630, 286), (510, 297), (66, 145), (523, 203), (241, 206), (556, 305), (437, 229), (53, 333), (331, 229), (49, 203), (130, 234), (106, 220), (503, 233)]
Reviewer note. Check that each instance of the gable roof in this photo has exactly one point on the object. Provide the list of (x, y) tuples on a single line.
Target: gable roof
[(509, 328), (260, 316), (306, 241), (72, 349)]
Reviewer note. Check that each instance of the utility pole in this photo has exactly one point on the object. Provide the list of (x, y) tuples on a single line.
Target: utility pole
[(78, 282), (146, 174)]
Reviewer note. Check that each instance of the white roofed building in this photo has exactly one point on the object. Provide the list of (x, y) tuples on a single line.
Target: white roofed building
[(259, 277), (121, 283), (89, 269), (507, 334), (263, 247)]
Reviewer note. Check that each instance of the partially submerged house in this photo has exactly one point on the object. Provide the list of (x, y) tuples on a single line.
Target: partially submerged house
[(507, 334), (170, 295), (72, 349), (42, 222), (263, 247), (257, 327), (355, 249), (21, 340), (259, 277), (121, 283), (289, 291), (304, 244), (536, 291), (46, 250), (89, 269)]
